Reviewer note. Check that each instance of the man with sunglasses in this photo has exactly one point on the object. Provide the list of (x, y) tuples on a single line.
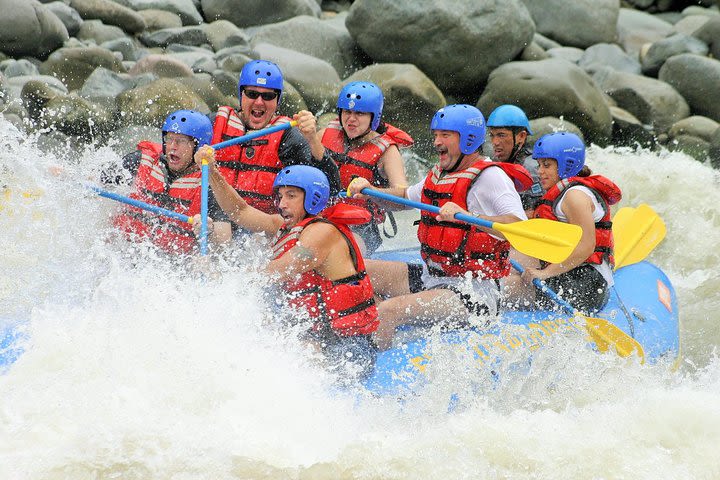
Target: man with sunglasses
[(251, 168)]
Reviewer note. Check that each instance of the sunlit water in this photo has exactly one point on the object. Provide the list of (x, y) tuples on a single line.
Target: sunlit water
[(137, 369)]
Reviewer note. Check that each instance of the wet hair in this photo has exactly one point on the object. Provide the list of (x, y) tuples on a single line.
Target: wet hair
[(585, 171)]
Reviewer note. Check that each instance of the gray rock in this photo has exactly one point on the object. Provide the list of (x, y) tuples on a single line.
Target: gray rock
[(125, 46), (103, 85), (641, 3), (710, 34), (151, 104), (14, 86), (74, 65), (160, 19), (638, 28), (695, 10), (258, 12), (16, 68), (544, 125), (571, 54), (654, 57), (226, 82), (714, 151), (550, 87), (198, 59), (608, 55), (411, 98), (97, 32), (29, 28), (533, 52), (545, 42), (696, 126), (162, 66), (576, 23), (206, 90), (222, 34), (653, 102), (195, 36), (696, 78), (35, 94), (628, 130), (110, 13), (76, 116), (186, 9), (233, 63), (125, 139), (327, 40), (457, 46), (315, 79), (67, 15), (690, 25), (291, 102), (695, 147)]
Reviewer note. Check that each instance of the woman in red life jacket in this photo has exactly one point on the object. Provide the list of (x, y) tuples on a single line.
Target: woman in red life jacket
[(574, 195), (165, 175), (315, 259), (363, 146)]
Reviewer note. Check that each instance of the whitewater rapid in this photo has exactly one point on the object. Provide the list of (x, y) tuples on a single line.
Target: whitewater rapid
[(137, 369)]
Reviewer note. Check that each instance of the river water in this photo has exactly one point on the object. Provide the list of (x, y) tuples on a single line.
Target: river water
[(136, 369)]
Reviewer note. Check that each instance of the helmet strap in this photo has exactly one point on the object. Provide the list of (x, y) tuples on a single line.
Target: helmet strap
[(457, 163)]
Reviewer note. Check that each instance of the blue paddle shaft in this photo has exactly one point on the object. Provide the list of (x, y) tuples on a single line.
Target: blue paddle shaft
[(255, 134), (142, 205), (204, 209), (423, 206), (545, 289)]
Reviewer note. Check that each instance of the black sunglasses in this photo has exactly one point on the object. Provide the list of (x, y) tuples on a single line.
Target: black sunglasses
[(254, 94)]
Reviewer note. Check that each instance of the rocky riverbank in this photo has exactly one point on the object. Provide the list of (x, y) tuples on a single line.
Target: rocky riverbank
[(637, 72)]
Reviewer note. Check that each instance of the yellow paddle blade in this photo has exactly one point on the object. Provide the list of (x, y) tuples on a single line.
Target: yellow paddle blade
[(637, 236), (606, 335), (542, 238), (620, 221)]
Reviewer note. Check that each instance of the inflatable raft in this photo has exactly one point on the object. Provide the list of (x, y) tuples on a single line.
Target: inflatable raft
[(643, 306)]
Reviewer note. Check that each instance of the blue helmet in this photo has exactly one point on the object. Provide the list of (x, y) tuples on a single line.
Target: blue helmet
[(467, 120), (311, 180), (564, 147), (261, 73), (509, 116), (362, 97), (191, 123)]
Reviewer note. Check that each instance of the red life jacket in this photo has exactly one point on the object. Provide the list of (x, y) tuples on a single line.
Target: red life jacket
[(347, 304), (362, 160), (250, 167), (182, 196), (607, 194), (454, 248)]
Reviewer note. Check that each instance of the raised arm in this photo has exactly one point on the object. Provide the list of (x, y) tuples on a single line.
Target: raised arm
[(236, 208)]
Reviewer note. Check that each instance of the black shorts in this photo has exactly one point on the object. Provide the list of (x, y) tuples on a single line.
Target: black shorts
[(583, 287)]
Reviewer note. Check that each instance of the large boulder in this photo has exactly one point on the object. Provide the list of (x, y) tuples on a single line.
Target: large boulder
[(551, 87), (325, 39), (315, 79), (714, 151), (110, 13), (636, 28), (151, 104), (653, 57), (74, 65), (411, 98), (257, 12), (68, 16), (577, 23), (608, 55), (29, 28), (76, 116), (186, 9), (161, 66), (696, 78), (710, 34), (653, 102), (457, 46)]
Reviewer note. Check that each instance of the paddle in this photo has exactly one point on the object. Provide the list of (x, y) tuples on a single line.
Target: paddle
[(636, 231), (137, 203), (545, 239), (254, 134), (204, 181), (603, 333)]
